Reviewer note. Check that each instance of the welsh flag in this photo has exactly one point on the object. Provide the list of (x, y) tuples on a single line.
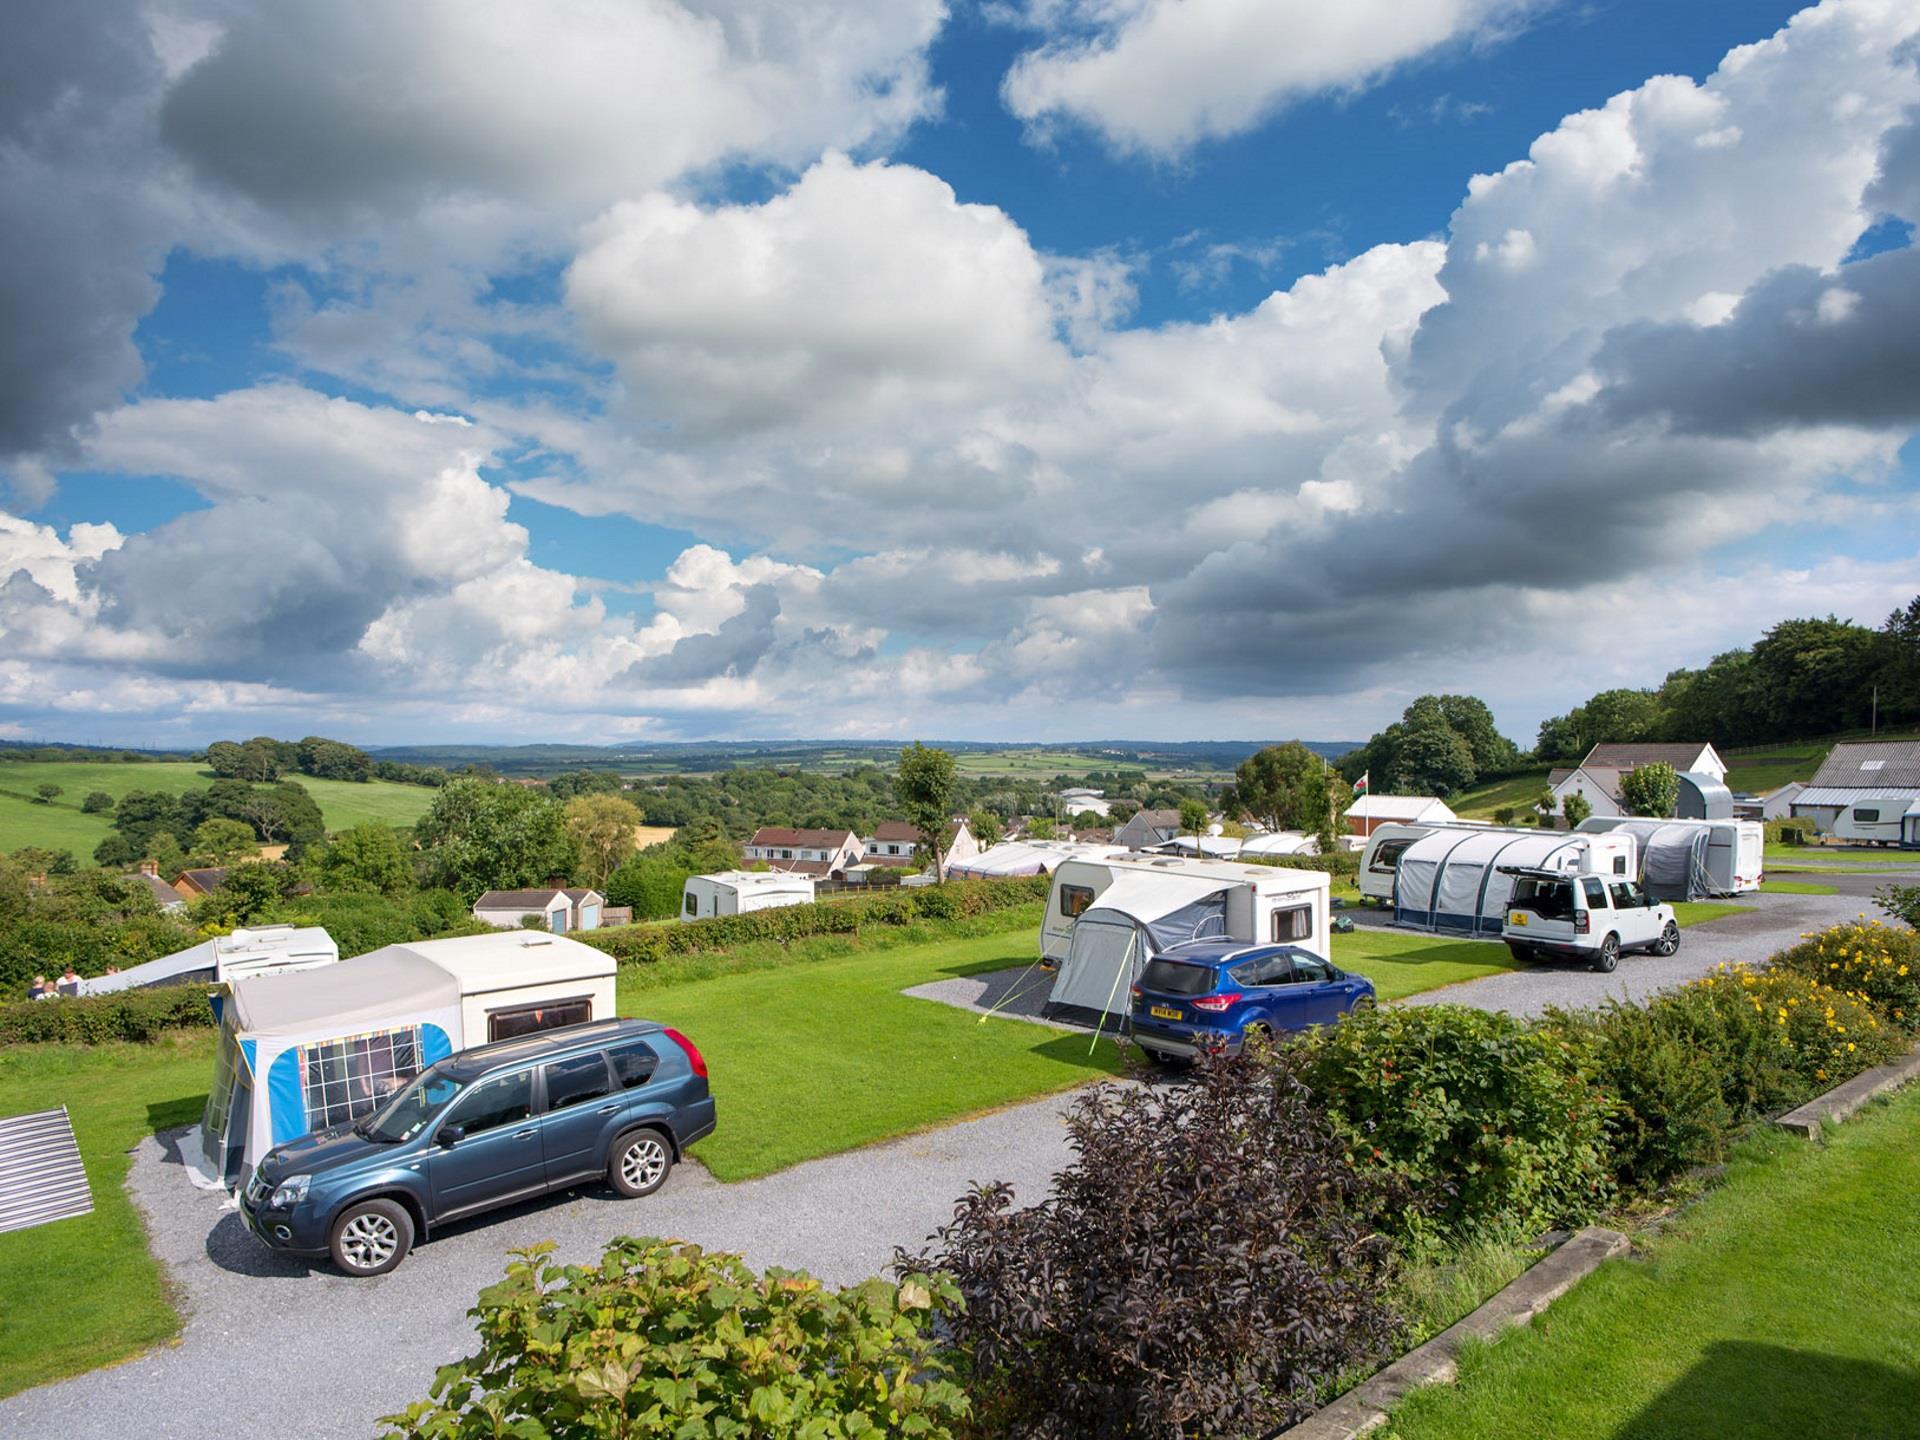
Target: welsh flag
[(1360, 785)]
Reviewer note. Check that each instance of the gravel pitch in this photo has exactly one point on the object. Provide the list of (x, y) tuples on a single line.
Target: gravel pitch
[(296, 1348)]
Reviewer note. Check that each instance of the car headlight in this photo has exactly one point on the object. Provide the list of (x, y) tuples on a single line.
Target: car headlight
[(289, 1192)]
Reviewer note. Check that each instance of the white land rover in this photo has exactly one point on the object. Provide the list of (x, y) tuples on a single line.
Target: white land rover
[(1594, 917)]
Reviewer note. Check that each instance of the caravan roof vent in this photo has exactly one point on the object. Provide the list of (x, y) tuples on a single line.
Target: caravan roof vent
[(1165, 864), (532, 939)]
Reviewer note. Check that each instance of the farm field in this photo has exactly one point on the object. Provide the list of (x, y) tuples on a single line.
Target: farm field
[(1780, 1305), (1519, 791), (61, 826), (1042, 764)]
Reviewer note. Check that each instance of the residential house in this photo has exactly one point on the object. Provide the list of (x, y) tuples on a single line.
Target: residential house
[(192, 884), (820, 853), (1774, 805), (895, 845), (1372, 810), (556, 908), (1148, 828), (1869, 770), (168, 898), (1597, 776)]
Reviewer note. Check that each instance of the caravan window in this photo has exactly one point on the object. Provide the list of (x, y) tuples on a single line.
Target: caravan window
[(1293, 923), (528, 1019), (1074, 900), (693, 903), (1867, 817), (1386, 856), (214, 1122), (347, 1078)]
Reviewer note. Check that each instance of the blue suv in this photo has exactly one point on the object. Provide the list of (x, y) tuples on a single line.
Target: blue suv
[(1214, 993), (613, 1099)]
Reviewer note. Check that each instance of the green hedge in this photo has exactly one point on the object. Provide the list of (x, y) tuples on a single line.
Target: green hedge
[(1344, 864), (92, 1019), (645, 944)]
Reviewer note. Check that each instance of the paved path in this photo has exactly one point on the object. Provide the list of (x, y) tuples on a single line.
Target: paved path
[(284, 1347)]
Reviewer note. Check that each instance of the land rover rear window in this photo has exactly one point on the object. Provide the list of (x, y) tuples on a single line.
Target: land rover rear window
[(1549, 899), (1170, 977)]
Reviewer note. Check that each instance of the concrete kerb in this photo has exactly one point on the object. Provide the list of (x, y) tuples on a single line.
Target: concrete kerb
[(1843, 1101), (1365, 1407)]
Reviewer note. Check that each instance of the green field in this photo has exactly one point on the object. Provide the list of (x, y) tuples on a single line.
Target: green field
[(1040, 764), (61, 826), (1780, 1306), (85, 1292), (1519, 791)]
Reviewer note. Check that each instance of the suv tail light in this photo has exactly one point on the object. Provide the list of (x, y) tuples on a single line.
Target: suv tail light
[(1134, 990), (1217, 1003), (694, 1057), (1582, 920)]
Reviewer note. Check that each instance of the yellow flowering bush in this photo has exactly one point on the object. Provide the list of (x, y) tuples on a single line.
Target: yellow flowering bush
[(1781, 1036), (1881, 962)]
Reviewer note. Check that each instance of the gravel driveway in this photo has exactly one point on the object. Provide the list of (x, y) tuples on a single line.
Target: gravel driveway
[(277, 1347), (322, 1356)]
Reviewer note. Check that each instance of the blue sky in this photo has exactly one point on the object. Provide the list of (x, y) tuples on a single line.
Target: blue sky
[(1018, 371)]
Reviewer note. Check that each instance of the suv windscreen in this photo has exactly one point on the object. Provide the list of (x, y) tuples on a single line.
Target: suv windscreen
[(407, 1114), (1549, 899), (1170, 977)]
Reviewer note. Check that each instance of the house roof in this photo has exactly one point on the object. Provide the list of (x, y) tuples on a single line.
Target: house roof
[(211, 878), (788, 838), (1844, 795), (896, 830), (1395, 807), (577, 895), (1625, 756), (1158, 819), (1869, 763), (517, 899), (1604, 777), (162, 891)]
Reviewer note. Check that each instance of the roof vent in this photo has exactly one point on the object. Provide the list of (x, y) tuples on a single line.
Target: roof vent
[(532, 939)]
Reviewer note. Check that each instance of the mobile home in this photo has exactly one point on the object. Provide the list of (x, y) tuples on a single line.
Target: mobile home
[(1690, 859), (1879, 821), (1106, 918), (741, 892), (1461, 880)]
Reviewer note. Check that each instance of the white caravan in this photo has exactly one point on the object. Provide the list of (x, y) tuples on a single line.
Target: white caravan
[(1690, 859), (741, 892), (1873, 822), (224, 959), (1106, 918), (1381, 851)]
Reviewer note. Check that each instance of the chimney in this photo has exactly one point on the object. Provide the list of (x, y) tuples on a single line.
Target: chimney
[(150, 867)]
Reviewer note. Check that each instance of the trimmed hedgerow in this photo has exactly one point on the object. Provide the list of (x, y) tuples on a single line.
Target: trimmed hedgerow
[(1879, 961), (1342, 864), (645, 944), (1495, 1123), (662, 1338), (1208, 1261), (94, 1019)]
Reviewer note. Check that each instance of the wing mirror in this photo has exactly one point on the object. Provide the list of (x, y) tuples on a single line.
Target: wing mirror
[(449, 1136)]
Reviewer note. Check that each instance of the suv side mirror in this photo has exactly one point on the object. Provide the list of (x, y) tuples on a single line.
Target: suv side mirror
[(449, 1136)]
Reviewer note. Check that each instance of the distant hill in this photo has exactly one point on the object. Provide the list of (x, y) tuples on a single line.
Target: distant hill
[(706, 757)]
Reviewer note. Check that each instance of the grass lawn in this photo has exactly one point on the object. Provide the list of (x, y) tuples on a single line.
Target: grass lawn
[(1782, 1305), (1827, 856), (85, 1292), (1402, 964), (817, 1057), (1796, 887), (1700, 912), (61, 826), (1519, 791)]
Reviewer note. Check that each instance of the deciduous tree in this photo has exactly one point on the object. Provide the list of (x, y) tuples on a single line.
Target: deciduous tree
[(1651, 789), (926, 787), (602, 827)]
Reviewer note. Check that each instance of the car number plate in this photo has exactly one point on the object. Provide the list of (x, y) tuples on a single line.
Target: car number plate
[(1163, 1012), (1520, 918)]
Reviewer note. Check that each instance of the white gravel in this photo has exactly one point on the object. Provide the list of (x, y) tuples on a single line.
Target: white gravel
[(286, 1348)]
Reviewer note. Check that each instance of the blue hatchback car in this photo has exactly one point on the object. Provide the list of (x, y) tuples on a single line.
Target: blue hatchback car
[(617, 1100), (1214, 993)]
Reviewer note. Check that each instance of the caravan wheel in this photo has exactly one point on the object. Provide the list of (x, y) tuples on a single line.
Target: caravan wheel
[(372, 1237)]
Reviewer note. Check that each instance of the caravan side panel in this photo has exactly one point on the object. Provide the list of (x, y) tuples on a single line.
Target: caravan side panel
[(1076, 885)]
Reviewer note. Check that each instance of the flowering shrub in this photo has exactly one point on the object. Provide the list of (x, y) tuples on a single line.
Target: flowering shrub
[(1879, 961), (1205, 1264), (1497, 1123), (664, 1339)]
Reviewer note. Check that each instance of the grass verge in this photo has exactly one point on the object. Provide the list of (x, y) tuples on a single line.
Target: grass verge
[(1400, 964), (1700, 912), (82, 1293), (1827, 856), (1781, 1305), (1796, 887)]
